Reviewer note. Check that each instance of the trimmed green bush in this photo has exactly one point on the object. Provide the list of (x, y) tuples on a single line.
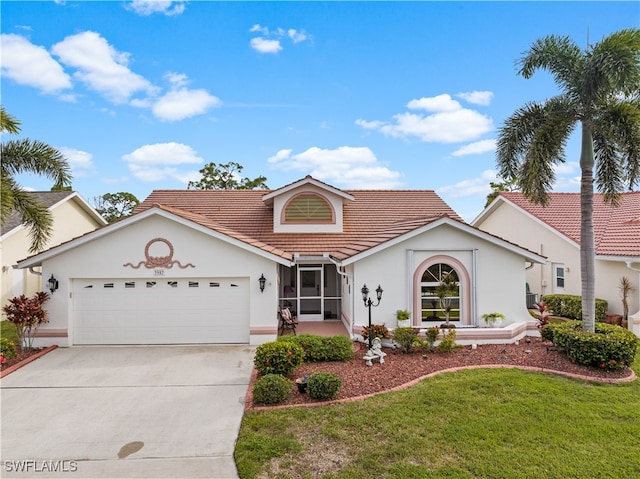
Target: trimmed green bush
[(322, 348), (405, 338), (448, 342), (271, 389), (7, 348), (323, 385), (610, 347), (570, 306), (278, 357)]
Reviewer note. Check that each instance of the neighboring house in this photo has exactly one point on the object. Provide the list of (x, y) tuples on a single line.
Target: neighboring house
[(72, 217), (213, 266), (554, 231)]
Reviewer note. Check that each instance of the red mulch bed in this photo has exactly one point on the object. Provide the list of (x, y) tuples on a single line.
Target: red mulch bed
[(21, 357), (400, 369)]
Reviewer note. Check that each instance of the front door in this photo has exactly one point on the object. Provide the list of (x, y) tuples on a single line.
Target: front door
[(310, 281)]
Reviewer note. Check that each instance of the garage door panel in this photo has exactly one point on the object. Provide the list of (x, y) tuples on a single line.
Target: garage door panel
[(161, 311)]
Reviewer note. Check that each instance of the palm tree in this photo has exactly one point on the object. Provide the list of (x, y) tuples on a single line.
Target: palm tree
[(28, 156), (600, 90), (446, 290)]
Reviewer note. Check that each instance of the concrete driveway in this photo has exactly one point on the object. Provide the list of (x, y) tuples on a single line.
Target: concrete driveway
[(125, 412)]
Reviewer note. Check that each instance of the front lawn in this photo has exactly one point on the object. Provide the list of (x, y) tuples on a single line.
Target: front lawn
[(469, 424)]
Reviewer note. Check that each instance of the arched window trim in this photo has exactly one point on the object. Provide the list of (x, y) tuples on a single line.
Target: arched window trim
[(283, 215), (464, 282)]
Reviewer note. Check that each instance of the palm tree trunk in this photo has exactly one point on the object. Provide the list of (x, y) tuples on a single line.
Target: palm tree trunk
[(587, 243)]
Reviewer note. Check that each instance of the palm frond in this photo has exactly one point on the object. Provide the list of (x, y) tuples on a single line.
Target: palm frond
[(19, 156), (36, 218), (558, 55), (8, 123)]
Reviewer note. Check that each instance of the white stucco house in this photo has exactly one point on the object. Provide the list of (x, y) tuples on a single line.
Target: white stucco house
[(554, 231), (213, 266), (72, 216)]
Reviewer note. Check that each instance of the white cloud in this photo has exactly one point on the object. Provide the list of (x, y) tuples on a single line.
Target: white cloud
[(349, 167), (476, 148), (160, 161), (149, 7), (101, 67), (448, 122), (32, 65), (567, 168), (477, 97), (263, 45), (470, 187), (80, 161), (270, 40), (296, 36), (180, 102), (437, 103)]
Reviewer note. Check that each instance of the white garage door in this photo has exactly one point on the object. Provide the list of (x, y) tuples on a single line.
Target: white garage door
[(161, 311)]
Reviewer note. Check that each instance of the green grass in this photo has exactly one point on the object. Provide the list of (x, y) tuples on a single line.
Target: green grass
[(8, 331), (469, 424)]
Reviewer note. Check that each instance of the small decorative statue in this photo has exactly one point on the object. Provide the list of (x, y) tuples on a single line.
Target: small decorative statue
[(375, 352)]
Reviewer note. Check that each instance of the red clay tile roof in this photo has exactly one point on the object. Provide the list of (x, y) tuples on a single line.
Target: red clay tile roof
[(616, 229), (374, 217)]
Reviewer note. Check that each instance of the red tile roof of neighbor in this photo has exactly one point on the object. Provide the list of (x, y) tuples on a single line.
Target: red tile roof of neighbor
[(616, 229), (374, 217)]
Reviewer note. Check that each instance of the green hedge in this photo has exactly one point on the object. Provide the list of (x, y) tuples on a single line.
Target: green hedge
[(278, 358), (322, 348), (271, 389), (323, 385), (610, 347), (405, 338), (570, 306)]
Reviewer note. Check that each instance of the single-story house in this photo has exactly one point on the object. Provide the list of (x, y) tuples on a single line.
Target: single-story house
[(212, 266), (72, 216), (554, 231)]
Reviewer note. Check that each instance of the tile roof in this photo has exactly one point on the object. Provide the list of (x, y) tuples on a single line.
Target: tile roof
[(616, 229), (47, 198), (374, 217)]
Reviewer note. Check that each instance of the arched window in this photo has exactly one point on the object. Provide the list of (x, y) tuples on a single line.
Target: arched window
[(431, 308), (308, 208)]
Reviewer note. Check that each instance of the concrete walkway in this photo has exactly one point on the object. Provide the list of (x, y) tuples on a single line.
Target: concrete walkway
[(125, 412)]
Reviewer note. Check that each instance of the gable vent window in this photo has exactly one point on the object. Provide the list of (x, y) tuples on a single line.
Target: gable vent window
[(308, 208)]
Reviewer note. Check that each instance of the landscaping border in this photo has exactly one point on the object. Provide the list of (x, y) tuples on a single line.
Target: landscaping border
[(248, 400), (26, 361)]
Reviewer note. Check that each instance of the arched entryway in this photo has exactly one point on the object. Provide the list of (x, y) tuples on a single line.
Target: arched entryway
[(426, 308)]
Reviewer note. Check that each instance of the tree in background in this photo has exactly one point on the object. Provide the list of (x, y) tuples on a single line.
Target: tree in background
[(498, 187), (28, 156), (600, 90), (226, 176), (113, 206)]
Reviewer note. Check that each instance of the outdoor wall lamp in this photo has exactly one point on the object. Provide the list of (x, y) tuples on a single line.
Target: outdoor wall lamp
[(53, 283), (262, 280), (368, 303)]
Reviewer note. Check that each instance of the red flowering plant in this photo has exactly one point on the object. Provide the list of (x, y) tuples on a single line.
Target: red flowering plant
[(278, 357), (27, 314)]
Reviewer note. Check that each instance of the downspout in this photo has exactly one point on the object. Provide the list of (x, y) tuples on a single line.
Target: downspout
[(348, 276), (629, 263)]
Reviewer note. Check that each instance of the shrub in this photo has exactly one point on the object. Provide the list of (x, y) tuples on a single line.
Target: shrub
[(323, 385), (7, 348), (610, 347), (271, 389), (432, 335), (278, 357), (27, 314), (379, 331), (322, 348), (448, 342), (570, 306), (405, 338)]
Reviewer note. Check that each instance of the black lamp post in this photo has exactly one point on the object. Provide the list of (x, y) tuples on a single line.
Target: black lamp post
[(367, 304)]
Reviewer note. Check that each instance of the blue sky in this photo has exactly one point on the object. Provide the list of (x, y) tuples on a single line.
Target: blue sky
[(362, 95)]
